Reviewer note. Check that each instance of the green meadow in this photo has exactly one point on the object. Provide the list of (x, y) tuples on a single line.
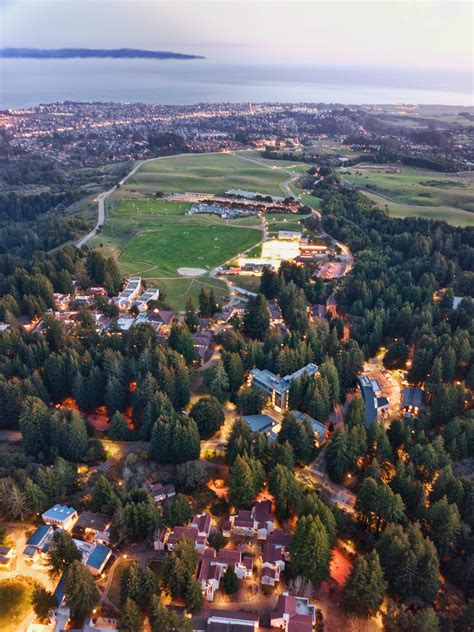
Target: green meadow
[(418, 192)]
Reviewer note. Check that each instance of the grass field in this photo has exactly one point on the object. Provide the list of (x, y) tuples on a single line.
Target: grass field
[(154, 238), (418, 192), (15, 602), (211, 173), (114, 590)]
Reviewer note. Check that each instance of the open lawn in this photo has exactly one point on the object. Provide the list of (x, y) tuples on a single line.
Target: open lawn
[(210, 173), (185, 245), (114, 589), (15, 602), (418, 192), (154, 238)]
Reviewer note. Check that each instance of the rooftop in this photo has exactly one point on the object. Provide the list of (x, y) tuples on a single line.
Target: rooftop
[(58, 512)]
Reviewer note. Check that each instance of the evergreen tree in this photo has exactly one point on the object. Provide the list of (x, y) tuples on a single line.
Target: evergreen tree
[(257, 317), (218, 381), (310, 550), (180, 339), (179, 568), (44, 602), (286, 490), (62, 553), (355, 412), (103, 495), (337, 455), (209, 416), (191, 318), (365, 587), (178, 511), (118, 429), (230, 583), (80, 591), (312, 505), (242, 490), (130, 618)]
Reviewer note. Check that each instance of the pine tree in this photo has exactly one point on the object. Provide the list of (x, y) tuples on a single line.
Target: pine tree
[(230, 583), (209, 416), (337, 455), (365, 587), (310, 550), (130, 619), (62, 553), (118, 429), (286, 491), (257, 317), (44, 602), (81, 593), (191, 318), (355, 412), (312, 505), (241, 483), (218, 381)]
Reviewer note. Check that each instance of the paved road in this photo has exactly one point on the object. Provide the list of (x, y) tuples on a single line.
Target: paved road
[(101, 199)]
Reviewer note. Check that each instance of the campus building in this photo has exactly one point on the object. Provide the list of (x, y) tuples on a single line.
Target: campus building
[(60, 516), (375, 403), (278, 387)]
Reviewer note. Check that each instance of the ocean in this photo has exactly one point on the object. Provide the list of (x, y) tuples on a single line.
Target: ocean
[(26, 83)]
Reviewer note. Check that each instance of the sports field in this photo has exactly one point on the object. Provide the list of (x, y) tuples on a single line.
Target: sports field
[(211, 173), (155, 238), (418, 192)]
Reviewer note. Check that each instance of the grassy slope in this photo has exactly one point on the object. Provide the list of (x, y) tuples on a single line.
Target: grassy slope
[(448, 197), (207, 173), (154, 237)]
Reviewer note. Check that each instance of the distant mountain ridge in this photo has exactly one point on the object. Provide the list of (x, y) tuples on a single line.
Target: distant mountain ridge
[(71, 53)]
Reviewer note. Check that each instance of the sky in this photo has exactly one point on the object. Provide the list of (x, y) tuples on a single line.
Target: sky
[(397, 33)]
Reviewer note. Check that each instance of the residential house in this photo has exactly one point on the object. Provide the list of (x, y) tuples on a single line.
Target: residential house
[(94, 556), (256, 522), (161, 492), (197, 532), (293, 614), (212, 567), (260, 423), (60, 516), (202, 342), (273, 563)]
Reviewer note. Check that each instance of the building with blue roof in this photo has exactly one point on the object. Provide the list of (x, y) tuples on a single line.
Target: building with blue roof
[(278, 387), (38, 543), (260, 423), (374, 403), (60, 516), (98, 558)]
